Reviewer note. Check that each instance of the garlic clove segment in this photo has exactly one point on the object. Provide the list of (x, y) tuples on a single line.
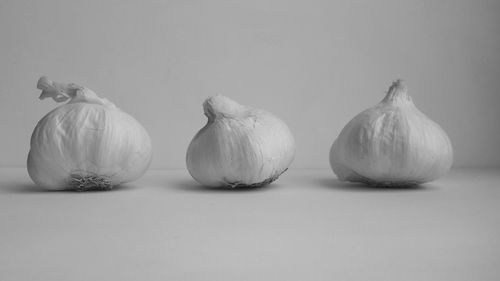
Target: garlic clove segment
[(239, 146), (392, 144), (87, 143)]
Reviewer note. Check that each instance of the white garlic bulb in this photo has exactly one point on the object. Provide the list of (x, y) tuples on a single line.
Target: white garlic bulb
[(239, 146), (391, 144), (87, 143)]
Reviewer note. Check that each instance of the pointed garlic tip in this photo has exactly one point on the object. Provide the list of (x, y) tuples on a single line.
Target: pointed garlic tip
[(397, 92), (59, 92), (221, 106), (43, 83)]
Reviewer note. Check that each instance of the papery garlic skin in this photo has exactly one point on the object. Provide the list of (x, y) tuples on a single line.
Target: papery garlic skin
[(392, 144), (239, 146), (86, 144)]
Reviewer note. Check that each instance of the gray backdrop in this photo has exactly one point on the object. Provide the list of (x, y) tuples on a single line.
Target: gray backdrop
[(315, 64)]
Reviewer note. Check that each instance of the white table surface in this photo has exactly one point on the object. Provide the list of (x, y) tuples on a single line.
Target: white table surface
[(305, 226)]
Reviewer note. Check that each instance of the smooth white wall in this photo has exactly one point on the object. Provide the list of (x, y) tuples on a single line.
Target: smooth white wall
[(315, 64)]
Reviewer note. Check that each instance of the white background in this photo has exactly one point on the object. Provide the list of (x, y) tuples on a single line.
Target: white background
[(315, 64)]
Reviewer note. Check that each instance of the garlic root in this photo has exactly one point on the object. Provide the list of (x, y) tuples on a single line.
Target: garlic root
[(78, 182)]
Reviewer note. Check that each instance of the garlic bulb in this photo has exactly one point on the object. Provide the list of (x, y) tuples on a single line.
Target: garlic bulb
[(87, 143), (239, 146), (391, 144)]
